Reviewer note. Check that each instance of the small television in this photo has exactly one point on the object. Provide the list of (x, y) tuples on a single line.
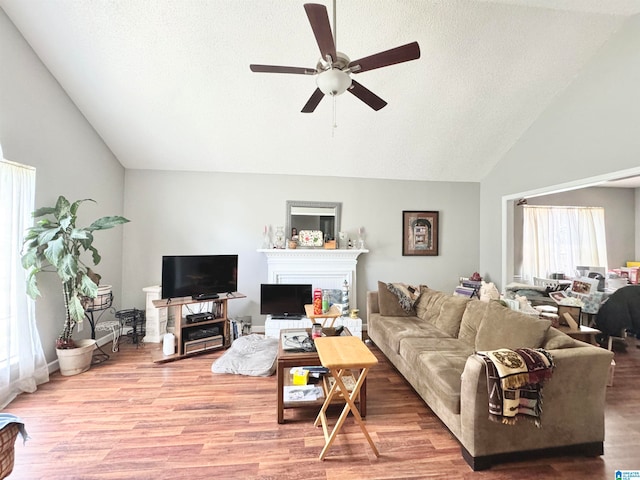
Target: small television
[(599, 273), (585, 270), (284, 300), (199, 276)]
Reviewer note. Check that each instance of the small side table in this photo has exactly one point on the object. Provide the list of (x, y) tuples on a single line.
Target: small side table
[(100, 304), (339, 355), (582, 333), (329, 317)]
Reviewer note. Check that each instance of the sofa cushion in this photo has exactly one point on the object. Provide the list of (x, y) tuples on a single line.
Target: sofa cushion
[(556, 339), (474, 312), (442, 310), (411, 348), (429, 303), (451, 314), (397, 328), (505, 328), (389, 303), (445, 370)]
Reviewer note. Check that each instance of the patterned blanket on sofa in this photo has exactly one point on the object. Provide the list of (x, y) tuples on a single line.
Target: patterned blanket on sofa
[(514, 382)]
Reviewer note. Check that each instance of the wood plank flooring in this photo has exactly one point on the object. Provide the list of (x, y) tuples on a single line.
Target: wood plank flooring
[(129, 418)]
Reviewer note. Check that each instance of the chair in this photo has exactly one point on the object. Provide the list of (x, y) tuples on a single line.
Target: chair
[(622, 337), (619, 313), (113, 326)]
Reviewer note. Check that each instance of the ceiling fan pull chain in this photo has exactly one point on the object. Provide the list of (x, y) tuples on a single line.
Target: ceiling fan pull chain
[(335, 124)]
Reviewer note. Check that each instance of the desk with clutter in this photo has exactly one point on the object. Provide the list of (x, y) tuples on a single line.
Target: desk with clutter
[(610, 305)]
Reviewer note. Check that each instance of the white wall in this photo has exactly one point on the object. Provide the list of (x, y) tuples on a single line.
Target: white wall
[(590, 130), (211, 213), (40, 126)]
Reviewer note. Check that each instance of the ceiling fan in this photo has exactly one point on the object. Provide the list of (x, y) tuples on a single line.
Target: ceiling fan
[(334, 68)]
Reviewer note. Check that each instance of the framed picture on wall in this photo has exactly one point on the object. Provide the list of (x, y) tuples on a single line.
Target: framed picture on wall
[(419, 233)]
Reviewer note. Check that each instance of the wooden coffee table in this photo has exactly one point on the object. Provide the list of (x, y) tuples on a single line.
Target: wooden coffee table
[(287, 360)]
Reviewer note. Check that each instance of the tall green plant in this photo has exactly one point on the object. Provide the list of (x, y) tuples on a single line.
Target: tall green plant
[(55, 244)]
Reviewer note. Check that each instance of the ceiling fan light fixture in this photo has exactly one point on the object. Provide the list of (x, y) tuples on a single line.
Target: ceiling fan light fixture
[(333, 82)]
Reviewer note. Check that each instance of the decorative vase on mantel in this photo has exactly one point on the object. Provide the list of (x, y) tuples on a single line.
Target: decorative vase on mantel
[(279, 238), (266, 238)]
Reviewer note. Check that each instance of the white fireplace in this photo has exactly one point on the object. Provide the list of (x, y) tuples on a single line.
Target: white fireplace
[(322, 268)]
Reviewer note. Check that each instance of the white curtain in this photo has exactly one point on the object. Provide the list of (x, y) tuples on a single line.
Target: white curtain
[(22, 362), (557, 239)]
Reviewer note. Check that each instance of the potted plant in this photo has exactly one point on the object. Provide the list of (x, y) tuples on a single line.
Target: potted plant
[(56, 244)]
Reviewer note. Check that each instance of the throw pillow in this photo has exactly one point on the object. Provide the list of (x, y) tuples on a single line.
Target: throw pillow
[(505, 328), (389, 303), (407, 295)]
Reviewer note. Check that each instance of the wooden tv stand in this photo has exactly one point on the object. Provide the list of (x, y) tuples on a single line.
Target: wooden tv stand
[(182, 327)]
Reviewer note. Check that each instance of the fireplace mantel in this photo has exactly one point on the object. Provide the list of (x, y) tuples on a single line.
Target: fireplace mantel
[(322, 268), (313, 253)]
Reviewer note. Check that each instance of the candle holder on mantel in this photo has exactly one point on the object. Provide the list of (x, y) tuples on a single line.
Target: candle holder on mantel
[(360, 244)]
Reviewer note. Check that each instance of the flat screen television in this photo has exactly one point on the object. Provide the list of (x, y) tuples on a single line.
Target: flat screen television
[(284, 300), (199, 276)]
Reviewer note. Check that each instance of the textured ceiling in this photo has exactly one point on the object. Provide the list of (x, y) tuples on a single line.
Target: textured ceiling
[(167, 84)]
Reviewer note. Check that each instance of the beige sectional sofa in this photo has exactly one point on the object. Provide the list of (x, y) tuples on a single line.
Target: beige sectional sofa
[(433, 348)]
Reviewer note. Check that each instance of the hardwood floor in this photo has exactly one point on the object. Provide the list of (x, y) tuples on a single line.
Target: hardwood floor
[(131, 419)]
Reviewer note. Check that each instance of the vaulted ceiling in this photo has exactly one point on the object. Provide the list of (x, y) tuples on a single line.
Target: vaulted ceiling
[(167, 85)]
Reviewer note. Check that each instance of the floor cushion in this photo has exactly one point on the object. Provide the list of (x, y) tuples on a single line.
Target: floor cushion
[(253, 355)]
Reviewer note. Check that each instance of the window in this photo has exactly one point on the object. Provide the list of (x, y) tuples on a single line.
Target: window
[(22, 362), (557, 239)]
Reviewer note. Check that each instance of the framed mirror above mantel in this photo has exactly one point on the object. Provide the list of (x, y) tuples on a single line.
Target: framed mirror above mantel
[(323, 216)]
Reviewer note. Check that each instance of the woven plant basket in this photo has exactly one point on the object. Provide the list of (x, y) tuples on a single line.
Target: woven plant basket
[(7, 454)]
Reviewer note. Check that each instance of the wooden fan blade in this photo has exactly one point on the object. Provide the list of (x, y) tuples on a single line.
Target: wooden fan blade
[(319, 20), (278, 69), (366, 95), (404, 53), (313, 102)]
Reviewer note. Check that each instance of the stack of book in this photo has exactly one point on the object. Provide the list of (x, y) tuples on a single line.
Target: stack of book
[(303, 393), (468, 288)]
